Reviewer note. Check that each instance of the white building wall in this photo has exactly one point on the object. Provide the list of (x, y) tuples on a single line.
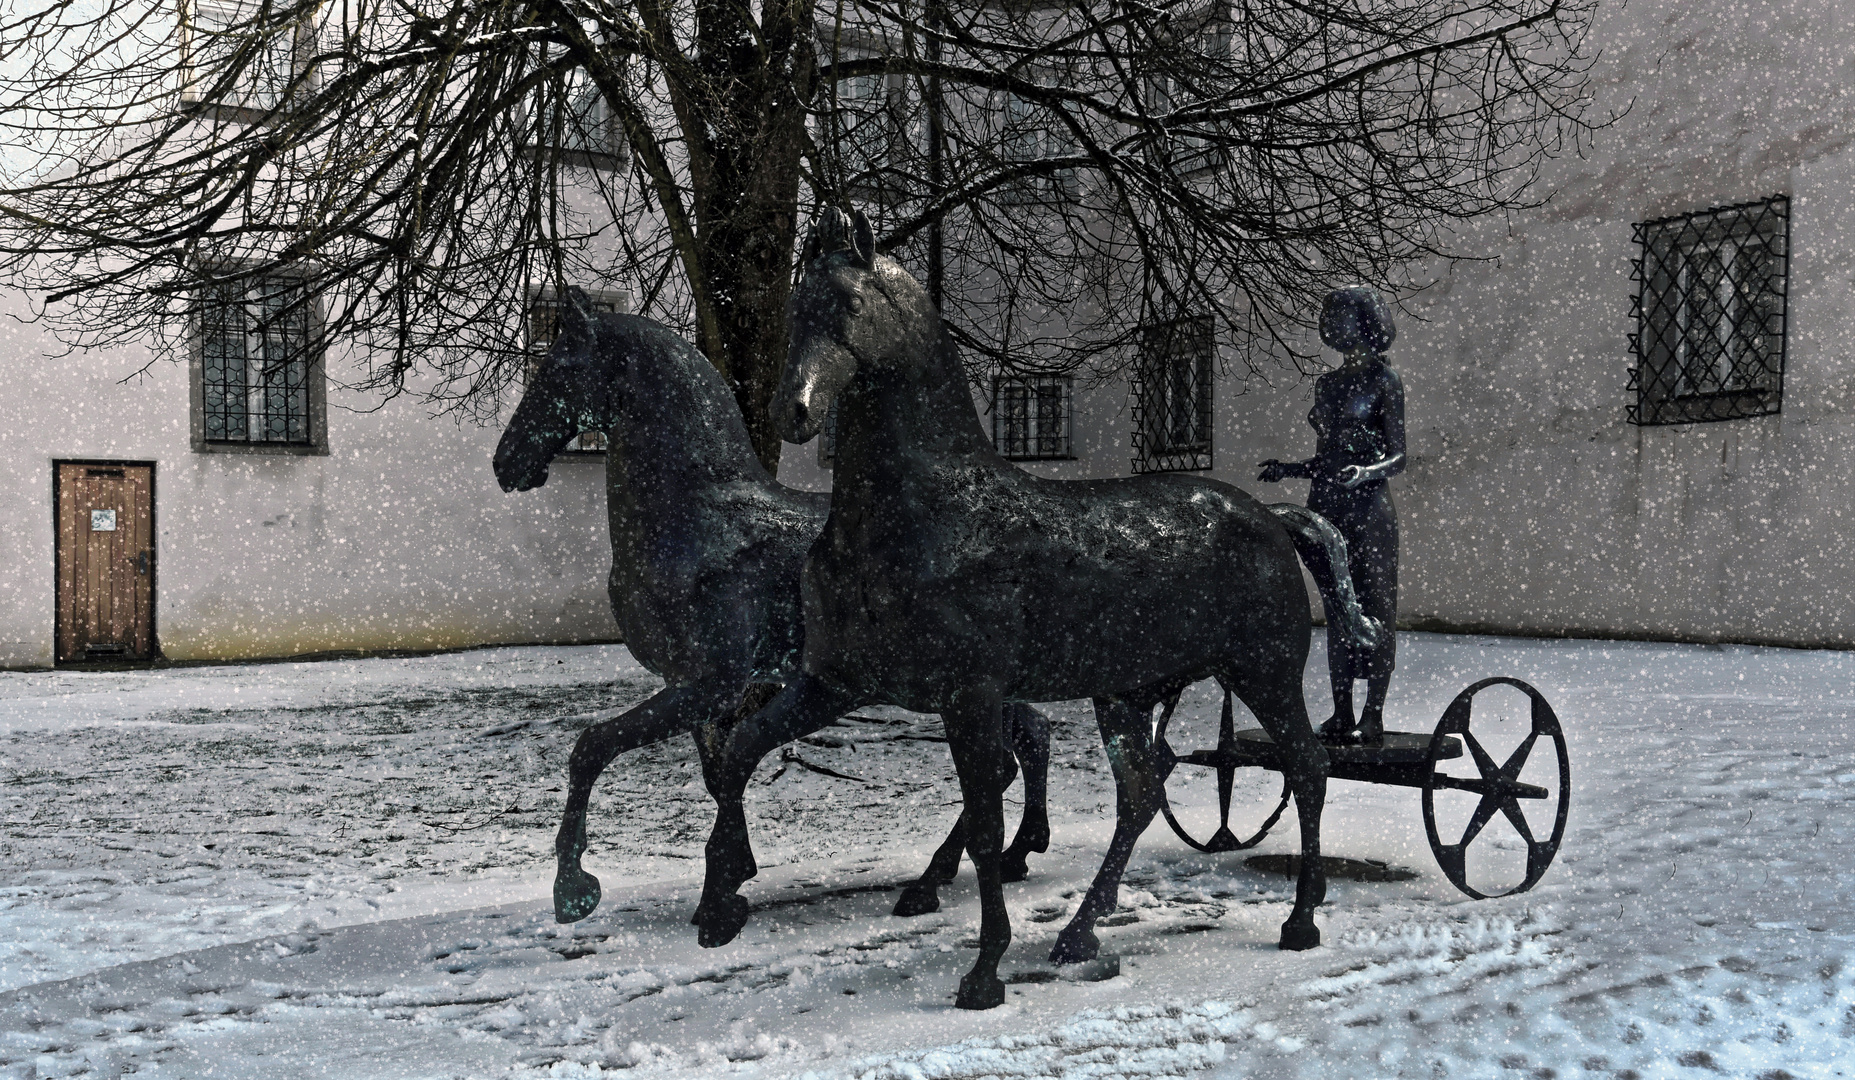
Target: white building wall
[(1530, 504), (399, 538)]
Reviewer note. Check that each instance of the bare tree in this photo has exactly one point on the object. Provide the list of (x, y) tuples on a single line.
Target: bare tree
[(1062, 173)]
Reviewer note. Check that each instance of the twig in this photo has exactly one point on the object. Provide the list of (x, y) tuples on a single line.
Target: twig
[(788, 754)]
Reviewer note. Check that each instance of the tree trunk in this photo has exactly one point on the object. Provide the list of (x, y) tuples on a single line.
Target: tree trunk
[(746, 197)]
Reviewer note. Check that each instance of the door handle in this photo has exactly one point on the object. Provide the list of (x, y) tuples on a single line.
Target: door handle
[(141, 563)]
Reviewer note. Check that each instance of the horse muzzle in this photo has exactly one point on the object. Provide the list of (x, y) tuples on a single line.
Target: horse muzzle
[(517, 470), (800, 422)]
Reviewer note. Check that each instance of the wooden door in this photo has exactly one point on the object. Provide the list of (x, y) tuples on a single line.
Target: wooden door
[(106, 561)]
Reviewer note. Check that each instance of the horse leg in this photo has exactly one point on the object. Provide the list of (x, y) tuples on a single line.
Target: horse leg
[(921, 896), (1029, 731), (1275, 698), (1126, 731), (975, 734), (576, 892), (805, 705)]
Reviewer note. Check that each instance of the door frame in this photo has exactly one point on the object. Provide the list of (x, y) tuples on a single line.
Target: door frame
[(154, 569)]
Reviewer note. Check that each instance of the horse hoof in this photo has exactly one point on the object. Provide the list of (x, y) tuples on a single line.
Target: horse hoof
[(1013, 867), (719, 922), (576, 894), (1298, 938), (916, 900), (1075, 947), (980, 992)]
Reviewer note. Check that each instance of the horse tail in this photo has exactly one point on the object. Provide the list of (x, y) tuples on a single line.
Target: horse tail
[(1323, 551)]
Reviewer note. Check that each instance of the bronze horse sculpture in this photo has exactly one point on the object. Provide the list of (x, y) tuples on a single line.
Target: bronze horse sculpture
[(951, 581), (706, 553)]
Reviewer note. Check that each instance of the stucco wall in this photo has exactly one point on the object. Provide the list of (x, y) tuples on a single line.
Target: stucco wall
[(1531, 505), (398, 539)]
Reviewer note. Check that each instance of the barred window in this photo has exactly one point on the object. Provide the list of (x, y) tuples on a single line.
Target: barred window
[(543, 328), (827, 438), (258, 375), (1710, 314), (1172, 396), (1031, 416)]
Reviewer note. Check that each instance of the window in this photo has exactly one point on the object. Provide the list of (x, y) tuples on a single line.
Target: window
[(1710, 314), (257, 370), (827, 438), (1029, 135), (241, 44), (867, 130), (543, 328), (579, 125), (1189, 74), (1031, 417), (1172, 396)]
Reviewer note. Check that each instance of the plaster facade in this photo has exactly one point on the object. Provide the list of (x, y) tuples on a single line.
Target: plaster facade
[(397, 538), (1531, 505)]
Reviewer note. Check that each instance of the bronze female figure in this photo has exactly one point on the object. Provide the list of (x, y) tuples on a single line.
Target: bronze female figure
[(1358, 419)]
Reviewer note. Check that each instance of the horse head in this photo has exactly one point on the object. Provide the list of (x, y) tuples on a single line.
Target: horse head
[(851, 308), (565, 395)]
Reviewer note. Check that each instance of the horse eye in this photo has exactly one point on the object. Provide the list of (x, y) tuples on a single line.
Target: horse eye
[(855, 304)]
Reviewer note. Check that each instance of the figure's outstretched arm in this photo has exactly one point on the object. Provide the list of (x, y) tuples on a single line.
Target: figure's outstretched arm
[(1273, 470)]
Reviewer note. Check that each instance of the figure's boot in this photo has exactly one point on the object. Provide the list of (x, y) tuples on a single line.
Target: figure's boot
[(1372, 719), (1340, 727)]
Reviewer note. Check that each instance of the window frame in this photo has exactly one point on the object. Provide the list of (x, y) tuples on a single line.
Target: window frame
[(1034, 444), (1156, 381), (578, 449), (1025, 135), (303, 36), (1210, 31), (315, 385), (870, 124), (1745, 311), (574, 148)]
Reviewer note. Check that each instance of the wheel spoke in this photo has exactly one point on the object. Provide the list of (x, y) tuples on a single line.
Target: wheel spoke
[(1517, 817), (1518, 759), (1484, 811), (1483, 761)]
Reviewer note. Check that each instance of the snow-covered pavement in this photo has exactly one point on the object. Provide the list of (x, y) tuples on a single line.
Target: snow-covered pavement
[(341, 869)]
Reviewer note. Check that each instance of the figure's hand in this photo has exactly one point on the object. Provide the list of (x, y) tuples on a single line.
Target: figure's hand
[(1351, 476), (1272, 472)]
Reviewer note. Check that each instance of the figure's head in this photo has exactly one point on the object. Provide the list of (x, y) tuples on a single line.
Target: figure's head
[(851, 307), (1357, 317), (565, 396)]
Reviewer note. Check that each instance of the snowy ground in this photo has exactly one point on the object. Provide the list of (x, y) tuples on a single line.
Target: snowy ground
[(341, 869)]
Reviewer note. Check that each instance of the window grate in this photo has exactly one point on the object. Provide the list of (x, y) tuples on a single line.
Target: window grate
[(1710, 314), (1032, 416), (1172, 396), (255, 345)]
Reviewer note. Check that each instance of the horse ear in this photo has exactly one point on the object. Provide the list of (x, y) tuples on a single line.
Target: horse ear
[(863, 242), (836, 229), (814, 243)]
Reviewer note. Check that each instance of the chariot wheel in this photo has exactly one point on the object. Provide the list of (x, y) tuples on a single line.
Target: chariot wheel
[(1500, 788), (1229, 756)]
